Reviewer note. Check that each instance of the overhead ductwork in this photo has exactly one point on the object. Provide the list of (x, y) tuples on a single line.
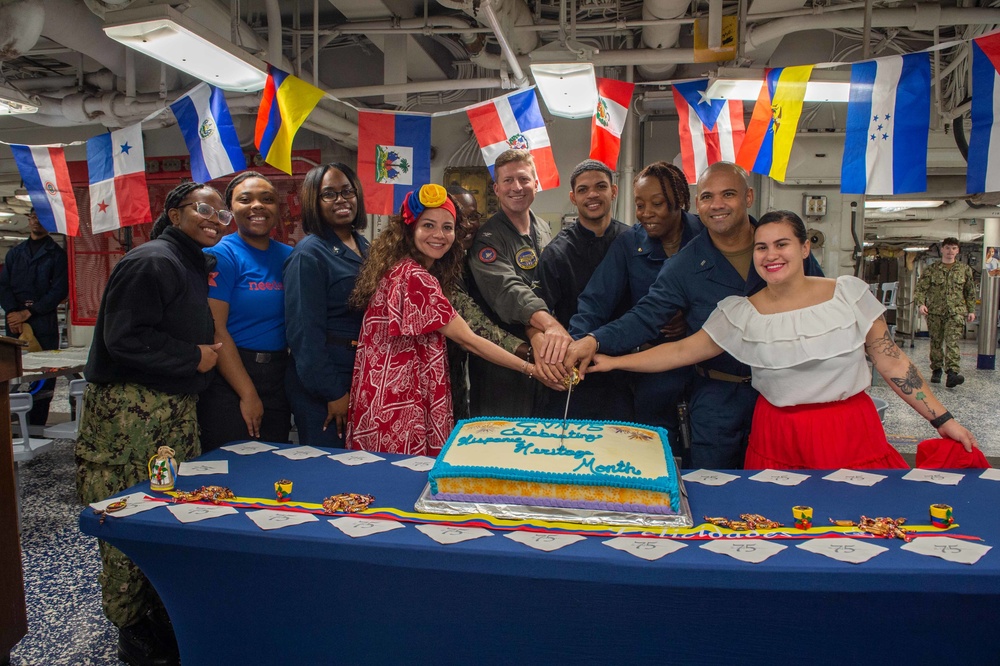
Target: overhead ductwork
[(21, 24)]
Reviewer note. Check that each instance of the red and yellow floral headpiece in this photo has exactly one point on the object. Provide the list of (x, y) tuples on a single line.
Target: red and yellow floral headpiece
[(426, 196)]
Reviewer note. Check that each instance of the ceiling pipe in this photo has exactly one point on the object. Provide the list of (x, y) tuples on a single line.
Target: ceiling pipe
[(925, 16), (520, 80), (957, 208), (608, 58), (415, 87), (274, 52), (660, 37)]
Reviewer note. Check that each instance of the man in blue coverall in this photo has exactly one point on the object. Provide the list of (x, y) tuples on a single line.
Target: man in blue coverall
[(716, 264), (34, 281)]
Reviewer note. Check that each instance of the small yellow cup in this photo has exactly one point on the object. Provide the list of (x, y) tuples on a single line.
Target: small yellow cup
[(283, 489)]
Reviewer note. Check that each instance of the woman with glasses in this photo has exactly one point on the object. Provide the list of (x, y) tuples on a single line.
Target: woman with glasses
[(319, 276), (247, 398), (153, 352)]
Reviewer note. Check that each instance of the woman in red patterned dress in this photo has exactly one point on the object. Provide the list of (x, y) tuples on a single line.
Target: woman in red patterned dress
[(400, 390)]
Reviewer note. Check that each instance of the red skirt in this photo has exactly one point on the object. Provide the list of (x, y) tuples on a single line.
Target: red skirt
[(828, 435)]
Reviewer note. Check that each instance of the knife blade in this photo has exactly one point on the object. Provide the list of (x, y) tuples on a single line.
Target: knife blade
[(569, 394)]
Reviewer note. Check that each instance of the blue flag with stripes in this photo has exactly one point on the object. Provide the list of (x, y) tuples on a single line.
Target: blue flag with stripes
[(204, 120)]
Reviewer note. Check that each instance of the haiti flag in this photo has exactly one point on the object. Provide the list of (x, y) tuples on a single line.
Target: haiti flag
[(394, 156)]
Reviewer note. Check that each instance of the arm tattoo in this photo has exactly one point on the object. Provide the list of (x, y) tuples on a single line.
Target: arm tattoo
[(884, 346), (911, 382)]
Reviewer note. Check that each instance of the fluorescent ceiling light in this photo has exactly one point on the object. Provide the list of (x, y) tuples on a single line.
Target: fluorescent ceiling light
[(893, 204), (916, 248), (569, 89), (7, 213), (165, 34), (22, 195), (13, 101), (742, 83)]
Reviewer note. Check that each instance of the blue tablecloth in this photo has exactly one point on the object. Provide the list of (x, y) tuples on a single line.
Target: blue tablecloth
[(309, 594)]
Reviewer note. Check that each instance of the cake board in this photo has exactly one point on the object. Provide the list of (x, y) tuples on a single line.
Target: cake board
[(427, 504)]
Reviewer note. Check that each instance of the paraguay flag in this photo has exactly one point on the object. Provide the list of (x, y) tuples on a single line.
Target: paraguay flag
[(285, 104), (767, 144), (117, 168), (984, 174), (711, 130), (888, 119), (613, 101), (515, 121), (46, 177), (204, 120), (394, 155)]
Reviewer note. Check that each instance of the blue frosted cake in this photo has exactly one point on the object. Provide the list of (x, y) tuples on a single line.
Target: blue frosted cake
[(599, 465)]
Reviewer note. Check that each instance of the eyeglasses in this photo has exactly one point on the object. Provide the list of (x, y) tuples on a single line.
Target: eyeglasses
[(206, 211), (329, 196)]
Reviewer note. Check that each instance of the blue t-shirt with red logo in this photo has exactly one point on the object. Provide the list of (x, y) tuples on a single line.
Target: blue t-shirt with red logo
[(250, 281)]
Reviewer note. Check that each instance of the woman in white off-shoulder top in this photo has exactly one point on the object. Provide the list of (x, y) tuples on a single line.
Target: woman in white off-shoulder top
[(806, 339)]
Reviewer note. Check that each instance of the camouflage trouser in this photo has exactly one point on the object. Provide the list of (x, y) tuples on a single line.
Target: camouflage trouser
[(121, 426), (947, 329)]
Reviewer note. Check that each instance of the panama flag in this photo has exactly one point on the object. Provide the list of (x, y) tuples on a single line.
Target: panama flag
[(984, 174), (117, 169), (46, 177), (613, 101), (515, 121), (711, 130), (394, 156), (888, 120), (204, 120)]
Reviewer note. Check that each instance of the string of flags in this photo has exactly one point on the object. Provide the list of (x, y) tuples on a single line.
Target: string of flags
[(885, 151)]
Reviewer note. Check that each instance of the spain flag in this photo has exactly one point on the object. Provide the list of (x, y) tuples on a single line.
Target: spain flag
[(769, 137)]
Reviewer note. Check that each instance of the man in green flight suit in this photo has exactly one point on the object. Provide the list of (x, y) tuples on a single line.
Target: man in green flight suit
[(946, 295)]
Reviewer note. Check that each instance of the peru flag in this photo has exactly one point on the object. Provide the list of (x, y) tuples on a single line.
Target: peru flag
[(711, 130), (515, 121), (613, 101), (394, 156), (117, 168), (46, 177)]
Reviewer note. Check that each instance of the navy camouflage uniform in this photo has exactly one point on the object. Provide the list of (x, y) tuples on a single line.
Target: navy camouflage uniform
[(949, 293)]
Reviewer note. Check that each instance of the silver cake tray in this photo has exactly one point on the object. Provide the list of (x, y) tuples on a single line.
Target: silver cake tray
[(427, 504)]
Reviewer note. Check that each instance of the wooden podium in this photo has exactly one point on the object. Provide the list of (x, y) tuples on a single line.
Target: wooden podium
[(13, 615)]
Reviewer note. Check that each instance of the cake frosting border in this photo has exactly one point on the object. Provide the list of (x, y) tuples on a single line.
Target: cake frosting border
[(664, 484)]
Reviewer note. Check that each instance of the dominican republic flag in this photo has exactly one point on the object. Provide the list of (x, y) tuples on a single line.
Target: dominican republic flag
[(46, 177), (613, 101), (888, 119), (394, 156), (767, 144), (117, 168), (984, 174), (711, 130), (515, 121), (204, 120)]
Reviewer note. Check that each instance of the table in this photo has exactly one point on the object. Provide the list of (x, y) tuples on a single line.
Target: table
[(53, 363), (309, 594)]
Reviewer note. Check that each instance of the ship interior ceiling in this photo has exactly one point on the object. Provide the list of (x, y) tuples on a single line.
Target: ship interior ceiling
[(437, 55)]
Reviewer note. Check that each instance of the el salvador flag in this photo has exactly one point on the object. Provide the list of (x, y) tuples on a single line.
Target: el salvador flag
[(204, 120), (888, 119)]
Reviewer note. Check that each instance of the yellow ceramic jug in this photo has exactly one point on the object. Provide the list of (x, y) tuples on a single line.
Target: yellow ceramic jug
[(162, 470)]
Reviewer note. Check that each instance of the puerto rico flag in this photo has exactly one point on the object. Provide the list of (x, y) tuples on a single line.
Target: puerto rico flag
[(117, 169), (204, 120), (888, 119), (394, 156), (984, 174), (515, 121), (613, 101), (711, 130), (46, 177)]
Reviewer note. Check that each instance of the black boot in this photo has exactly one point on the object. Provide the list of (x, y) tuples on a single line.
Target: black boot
[(138, 645), (954, 379), (936, 376)]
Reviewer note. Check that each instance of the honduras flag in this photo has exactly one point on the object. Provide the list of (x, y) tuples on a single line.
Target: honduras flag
[(984, 174), (888, 119), (204, 120)]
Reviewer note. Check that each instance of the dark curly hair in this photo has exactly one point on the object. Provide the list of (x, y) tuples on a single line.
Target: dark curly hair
[(312, 214), (396, 243), (174, 200), (671, 179)]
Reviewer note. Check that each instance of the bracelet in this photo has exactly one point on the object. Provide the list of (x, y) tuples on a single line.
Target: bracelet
[(591, 335), (530, 356), (941, 420), (524, 368)]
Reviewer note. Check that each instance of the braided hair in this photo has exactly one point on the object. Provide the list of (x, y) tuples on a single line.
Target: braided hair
[(174, 200), (671, 180)]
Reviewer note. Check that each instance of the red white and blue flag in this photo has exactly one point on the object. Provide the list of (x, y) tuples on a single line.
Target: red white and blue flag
[(46, 177), (394, 156), (984, 173), (711, 130), (515, 121), (613, 101), (117, 169)]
